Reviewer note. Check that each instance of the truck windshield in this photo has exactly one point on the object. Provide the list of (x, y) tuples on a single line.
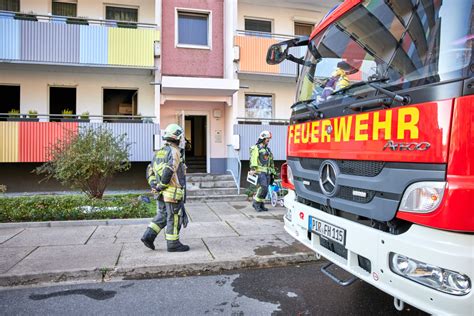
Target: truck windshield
[(401, 44)]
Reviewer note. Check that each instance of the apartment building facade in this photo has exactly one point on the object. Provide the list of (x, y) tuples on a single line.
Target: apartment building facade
[(135, 66)]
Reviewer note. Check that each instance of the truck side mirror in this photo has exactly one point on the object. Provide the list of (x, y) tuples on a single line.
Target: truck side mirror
[(279, 52)]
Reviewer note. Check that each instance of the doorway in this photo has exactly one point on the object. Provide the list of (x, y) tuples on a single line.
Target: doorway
[(195, 132)]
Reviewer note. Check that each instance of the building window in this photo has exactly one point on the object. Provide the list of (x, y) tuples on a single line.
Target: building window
[(193, 28), (10, 99), (65, 8), (258, 106), (62, 101), (121, 14), (10, 5), (263, 26), (121, 103), (303, 29)]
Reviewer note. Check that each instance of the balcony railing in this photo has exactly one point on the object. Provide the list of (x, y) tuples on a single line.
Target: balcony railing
[(248, 134), (27, 38), (253, 47), (27, 141)]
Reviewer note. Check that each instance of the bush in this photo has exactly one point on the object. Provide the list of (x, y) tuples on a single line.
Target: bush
[(87, 160), (62, 208)]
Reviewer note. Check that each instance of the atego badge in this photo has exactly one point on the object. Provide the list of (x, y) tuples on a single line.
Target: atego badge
[(406, 146)]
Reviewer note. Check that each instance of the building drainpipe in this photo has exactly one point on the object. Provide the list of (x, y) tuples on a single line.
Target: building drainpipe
[(157, 77), (230, 26)]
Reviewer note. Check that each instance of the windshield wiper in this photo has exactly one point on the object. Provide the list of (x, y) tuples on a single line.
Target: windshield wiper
[(372, 83), (359, 84)]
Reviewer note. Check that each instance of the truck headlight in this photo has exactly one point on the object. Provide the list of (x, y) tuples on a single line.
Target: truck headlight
[(291, 178), (422, 197), (437, 278)]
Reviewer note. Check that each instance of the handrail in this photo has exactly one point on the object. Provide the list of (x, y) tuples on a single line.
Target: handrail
[(262, 120), (25, 115), (232, 154), (94, 118), (42, 17), (265, 34)]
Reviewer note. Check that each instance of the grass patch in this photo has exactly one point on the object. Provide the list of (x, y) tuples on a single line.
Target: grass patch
[(74, 207)]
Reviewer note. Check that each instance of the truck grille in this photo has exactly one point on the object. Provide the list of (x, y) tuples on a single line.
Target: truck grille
[(352, 167), (371, 189), (346, 193)]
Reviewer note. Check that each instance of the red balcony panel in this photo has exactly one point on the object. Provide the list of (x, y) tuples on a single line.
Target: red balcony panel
[(36, 137)]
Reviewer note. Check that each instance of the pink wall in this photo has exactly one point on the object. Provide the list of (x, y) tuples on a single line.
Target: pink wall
[(170, 110), (191, 62)]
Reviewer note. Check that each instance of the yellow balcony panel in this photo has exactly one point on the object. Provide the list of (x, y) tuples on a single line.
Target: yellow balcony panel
[(9, 141), (132, 47)]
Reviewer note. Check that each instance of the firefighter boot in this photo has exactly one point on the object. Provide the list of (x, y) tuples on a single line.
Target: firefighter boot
[(176, 246), (149, 237), (263, 207), (258, 206)]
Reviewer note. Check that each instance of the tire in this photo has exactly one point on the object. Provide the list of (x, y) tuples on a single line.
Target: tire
[(274, 198)]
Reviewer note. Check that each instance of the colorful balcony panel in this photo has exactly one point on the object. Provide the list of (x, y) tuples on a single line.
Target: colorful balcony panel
[(62, 43), (253, 53), (30, 141)]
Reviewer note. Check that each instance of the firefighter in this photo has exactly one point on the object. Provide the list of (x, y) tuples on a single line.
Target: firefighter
[(167, 179), (261, 163)]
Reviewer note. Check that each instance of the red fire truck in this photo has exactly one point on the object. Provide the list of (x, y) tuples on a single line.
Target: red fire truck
[(380, 148)]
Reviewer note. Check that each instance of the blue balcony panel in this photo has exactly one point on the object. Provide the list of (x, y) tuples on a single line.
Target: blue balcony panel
[(50, 42), (9, 39), (94, 45), (249, 134), (140, 135)]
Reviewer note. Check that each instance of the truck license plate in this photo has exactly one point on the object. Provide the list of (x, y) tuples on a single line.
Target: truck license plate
[(327, 231)]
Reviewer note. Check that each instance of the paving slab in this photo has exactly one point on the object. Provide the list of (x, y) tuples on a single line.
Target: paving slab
[(104, 234), (200, 212), (7, 233), (251, 247), (201, 230), (257, 226), (130, 233), (67, 259), (224, 211), (136, 255), (247, 209), (11, 256), (49, 236)]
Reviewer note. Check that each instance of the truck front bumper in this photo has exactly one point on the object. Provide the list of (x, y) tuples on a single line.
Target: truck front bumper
[(448, 250)]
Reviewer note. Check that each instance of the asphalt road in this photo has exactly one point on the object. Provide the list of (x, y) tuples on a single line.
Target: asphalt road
[(294, 290)]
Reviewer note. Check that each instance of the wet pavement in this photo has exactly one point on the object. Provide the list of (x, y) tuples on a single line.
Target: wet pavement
[(292, 290)]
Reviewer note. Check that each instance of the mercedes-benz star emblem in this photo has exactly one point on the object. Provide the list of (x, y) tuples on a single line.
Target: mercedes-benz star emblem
[(329, 129), (328, 173)]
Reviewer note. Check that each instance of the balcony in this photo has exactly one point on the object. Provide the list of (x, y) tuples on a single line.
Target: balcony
[(253, 48), (249, 129), (42, 39), (27, 141)]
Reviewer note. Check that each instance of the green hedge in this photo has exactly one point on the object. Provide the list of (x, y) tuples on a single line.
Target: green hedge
[(73, 207)]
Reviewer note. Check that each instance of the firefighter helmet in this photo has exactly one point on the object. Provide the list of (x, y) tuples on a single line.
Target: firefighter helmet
[(265, 135), (173, 132)]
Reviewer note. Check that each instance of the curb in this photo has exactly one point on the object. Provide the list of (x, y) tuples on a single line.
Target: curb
[(137, 273), (93, 222)]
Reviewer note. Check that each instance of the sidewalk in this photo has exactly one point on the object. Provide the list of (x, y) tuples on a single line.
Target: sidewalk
[(222, 236)]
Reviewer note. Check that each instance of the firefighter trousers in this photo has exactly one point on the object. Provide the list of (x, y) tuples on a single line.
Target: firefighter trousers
[(262, 187), (167, 216)]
